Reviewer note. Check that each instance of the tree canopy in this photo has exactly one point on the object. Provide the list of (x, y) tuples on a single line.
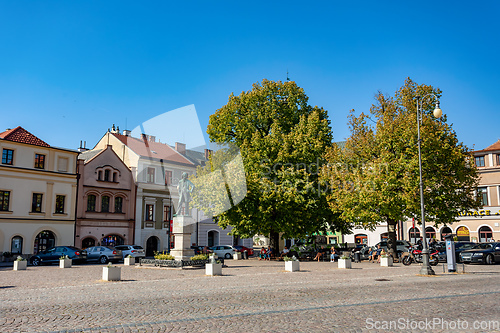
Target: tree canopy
[(375, 177), (282, 140)]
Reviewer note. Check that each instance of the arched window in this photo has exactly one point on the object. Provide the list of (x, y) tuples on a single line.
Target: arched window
[(445, 232), (463, 234), (43, 241), (361, 239), (99, 175), (88, 242), (115, 177), (414, 235), (91, 199), (112, 240), (106, 175), (118, 205), (485, 234), (430, 233), (16, 246), (105, 204)]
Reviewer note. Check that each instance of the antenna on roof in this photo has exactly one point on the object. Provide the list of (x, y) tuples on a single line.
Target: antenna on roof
[(287, 78)]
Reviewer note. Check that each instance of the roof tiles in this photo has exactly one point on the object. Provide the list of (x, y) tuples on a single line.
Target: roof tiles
[(21, 135)]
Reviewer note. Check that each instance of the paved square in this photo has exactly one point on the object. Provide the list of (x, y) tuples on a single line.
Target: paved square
[(252, 296)]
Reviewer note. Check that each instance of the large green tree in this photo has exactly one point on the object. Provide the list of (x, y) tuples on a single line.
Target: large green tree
[(375, 177), (282, 140)]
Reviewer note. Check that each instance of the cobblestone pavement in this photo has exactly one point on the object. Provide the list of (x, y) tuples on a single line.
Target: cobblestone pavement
[(252, 296)]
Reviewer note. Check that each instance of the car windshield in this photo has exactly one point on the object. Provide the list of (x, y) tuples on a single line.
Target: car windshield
[(137, 247), (483, 246)]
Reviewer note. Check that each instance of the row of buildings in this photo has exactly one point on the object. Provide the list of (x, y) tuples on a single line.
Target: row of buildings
[(123, 191)]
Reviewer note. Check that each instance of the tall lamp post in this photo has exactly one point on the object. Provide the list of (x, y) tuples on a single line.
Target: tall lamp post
[(426, 268)]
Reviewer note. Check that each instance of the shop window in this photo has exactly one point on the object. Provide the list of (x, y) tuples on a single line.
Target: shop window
[(43, 241), (430, 233), (361, 239), (463, 234), (39, 161), (60, 199), (91, 200), (112, 240), (7, 156), (414, 235), (36, 204), (4, 201), (445, 232), (16, 246), (485, 234)]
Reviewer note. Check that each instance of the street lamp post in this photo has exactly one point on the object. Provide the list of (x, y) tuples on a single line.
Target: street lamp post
[(426, 268)]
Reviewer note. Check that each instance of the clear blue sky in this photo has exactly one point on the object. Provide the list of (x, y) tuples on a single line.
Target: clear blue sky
[(71, 69)]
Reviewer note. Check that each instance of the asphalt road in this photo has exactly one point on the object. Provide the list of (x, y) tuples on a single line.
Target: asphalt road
[(252, 296)]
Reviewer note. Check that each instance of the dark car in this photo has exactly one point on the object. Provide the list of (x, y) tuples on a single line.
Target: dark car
[(53, 255), (241, 248), (459, 247), (483, 253)]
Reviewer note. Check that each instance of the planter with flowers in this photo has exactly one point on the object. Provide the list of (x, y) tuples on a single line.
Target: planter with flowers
[(345, 262), (111, 273), (386, 260), (129, 261), (20, 264), (291, 264), (214, 267), (65, 262)]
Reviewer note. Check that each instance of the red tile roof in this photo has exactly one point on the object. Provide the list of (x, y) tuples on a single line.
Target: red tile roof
[(155, 150), (21, 135), (495, 146)]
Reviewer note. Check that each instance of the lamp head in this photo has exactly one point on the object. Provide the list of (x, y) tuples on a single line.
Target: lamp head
[(437, 111)]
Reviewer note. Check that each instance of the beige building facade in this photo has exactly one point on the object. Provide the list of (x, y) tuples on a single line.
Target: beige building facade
[(38, 185)]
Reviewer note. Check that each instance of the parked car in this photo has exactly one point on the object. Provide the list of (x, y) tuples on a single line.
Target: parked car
[(53, 254), (198, 249), (241, 248), (459, 247), (135, 251), (223, 251), (483, 253), (103, 254)]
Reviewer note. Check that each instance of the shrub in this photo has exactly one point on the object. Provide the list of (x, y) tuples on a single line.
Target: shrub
[(163, 256), (199, 257)]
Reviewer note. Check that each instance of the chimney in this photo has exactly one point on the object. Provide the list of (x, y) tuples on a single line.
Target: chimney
[(126, 132), (152, 138), (180, 147), (82, 148), (207, 153)]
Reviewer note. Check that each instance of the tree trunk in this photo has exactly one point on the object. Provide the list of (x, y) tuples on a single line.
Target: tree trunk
[(274, 238), (392, 239)]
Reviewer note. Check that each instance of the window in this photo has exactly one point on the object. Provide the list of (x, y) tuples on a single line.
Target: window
[(16, 246), (166, 213), (60, 204), (168, 177), (118, 205), (115, 177), (4, 201), (8, 156), (99, 175), (36, 204), (151, 175), (91, 199), (482, 192), (106, 175), (39, 161), (479, 161), (105, 204), (149, 212), (498, 159)]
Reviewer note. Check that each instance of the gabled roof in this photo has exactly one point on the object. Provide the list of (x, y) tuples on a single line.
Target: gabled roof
[(21, 135), (495, 146), (156, 150)]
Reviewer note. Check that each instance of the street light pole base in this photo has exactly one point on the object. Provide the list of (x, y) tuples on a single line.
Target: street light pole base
[(426, 270)]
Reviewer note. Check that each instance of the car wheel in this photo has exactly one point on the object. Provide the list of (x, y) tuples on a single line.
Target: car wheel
[(35, 261), (103, 260), (489, 259), (228, 256)]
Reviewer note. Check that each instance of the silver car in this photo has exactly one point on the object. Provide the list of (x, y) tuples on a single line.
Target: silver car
[(135, 251), (103, 254)]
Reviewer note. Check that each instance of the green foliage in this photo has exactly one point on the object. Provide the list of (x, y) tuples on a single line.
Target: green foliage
[(375, 176), (199, 257), (282, 140), (19, 258), (163, 256)]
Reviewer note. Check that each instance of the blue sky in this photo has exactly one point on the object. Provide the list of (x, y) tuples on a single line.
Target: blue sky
[(69, 70)]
